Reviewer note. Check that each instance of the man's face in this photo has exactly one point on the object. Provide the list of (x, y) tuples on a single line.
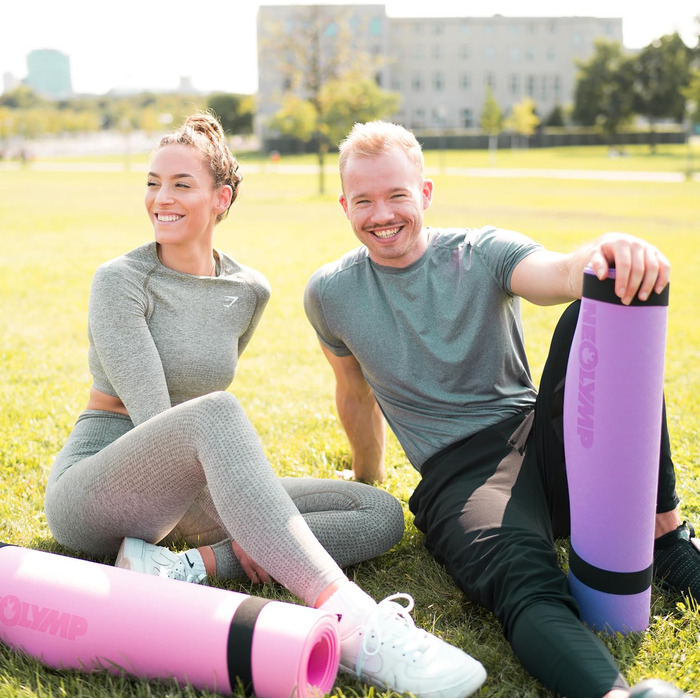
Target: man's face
[(384, 197)]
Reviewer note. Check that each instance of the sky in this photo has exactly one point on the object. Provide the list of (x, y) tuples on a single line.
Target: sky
[(146, 45)]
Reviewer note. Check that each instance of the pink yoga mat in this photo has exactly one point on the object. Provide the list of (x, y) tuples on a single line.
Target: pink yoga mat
[(71, 613), (613, 404)]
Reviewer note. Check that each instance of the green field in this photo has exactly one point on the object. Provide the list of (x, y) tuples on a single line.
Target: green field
[(57, 226)]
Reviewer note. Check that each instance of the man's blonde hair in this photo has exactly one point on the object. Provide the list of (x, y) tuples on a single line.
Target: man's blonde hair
[(377, 137)]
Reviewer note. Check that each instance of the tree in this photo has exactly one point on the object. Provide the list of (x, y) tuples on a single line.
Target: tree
[(603, 95), (523, 120), (354, 98), (491, 121), (662, 72), (295, 118), (320, 61), (691, 95), (556, 117), (235, 112)]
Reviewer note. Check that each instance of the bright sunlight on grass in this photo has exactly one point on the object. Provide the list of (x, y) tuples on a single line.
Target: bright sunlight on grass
[(57, 226)]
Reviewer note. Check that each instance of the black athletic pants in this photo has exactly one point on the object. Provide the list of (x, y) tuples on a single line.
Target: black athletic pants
[(491, 506)]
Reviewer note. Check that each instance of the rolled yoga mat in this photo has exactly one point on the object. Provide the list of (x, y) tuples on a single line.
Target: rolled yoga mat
[(71, 613), (613, 404)]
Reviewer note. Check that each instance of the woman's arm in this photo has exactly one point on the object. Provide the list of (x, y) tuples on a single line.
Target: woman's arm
[(124, 346)]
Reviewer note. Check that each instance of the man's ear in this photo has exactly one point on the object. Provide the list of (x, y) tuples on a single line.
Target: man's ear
[(427, 192)]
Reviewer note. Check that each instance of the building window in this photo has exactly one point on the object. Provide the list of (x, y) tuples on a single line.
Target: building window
[(438, 82), (419, 117), (466, 116), (514, 84), (551, 53), (465, 81), (437, 51), (556, 87), (438, 29), (530, 86), (490, 80), (489, 52), (417, 83), (375, 26), (437, 116), (530, 54), (417, 51), (514, 53), (465, 52)]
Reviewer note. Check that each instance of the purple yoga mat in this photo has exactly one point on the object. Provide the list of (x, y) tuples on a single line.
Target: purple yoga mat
[(612, 434)]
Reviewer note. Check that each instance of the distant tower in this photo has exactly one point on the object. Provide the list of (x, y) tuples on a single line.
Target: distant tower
[(48, 72)]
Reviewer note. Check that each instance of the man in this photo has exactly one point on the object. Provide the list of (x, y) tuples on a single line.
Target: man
[(422, 327)]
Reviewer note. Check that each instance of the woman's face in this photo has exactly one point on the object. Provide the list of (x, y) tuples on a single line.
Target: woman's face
[(181, 200)]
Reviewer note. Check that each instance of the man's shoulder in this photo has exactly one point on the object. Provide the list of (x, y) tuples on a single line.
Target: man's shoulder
[(353, 262)]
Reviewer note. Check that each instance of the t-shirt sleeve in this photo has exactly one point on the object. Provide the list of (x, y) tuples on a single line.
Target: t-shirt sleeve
[(119, 333), (313, 305), (502, 250)]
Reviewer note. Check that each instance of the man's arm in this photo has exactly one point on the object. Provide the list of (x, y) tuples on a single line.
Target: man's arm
[(545, 277), (361, 418)]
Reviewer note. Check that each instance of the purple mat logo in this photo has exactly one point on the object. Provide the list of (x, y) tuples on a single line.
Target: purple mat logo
[(588, 361), (14, 611)]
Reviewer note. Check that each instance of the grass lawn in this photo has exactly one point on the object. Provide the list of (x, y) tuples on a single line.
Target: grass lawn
[(56, 227)]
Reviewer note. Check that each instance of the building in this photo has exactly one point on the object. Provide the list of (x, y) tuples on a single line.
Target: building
[(442, 67), (48, 73)]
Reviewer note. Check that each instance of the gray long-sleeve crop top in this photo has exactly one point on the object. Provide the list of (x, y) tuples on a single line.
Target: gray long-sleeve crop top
[(158, 337)]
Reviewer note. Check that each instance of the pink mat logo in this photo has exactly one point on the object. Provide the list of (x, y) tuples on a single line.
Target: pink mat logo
[(14, 611), (588, 361)]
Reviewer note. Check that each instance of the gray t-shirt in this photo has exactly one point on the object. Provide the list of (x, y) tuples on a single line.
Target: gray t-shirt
[(440, 342), (160, 337)]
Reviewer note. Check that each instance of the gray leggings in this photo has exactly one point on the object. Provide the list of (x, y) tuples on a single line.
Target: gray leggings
[(198, 472)]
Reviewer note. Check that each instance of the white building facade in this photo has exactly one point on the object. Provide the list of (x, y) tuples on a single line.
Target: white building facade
[(444, 67)]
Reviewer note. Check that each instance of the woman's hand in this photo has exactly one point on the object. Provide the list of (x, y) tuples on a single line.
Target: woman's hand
[(252, 570)]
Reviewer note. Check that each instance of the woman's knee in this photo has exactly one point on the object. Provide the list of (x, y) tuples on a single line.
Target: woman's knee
[(211, 410)]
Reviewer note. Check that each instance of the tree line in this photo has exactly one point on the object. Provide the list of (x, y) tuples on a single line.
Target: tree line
[(660, 83)]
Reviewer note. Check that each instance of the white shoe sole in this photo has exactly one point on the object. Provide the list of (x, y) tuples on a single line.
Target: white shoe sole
[(462, 688)]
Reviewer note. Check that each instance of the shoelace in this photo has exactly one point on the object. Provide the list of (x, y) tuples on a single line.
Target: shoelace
[(391, 623)]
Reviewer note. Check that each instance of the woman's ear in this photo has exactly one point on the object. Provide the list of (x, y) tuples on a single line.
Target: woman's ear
[(225, 195)]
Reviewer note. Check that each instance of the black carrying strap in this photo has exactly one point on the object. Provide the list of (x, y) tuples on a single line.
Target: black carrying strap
[(604, 290), (617, 582), (240, 639)]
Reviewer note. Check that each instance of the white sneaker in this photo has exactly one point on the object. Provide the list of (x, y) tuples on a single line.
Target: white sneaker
[(138, 555), (388, 650)]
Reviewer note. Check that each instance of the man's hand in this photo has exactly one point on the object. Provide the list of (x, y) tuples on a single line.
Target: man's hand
[(640, 267)]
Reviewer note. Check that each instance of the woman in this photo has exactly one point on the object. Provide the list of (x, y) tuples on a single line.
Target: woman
[(164, 452)]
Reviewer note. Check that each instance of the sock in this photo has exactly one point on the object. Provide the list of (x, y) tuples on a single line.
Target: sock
[(351, 604), (228, 568), (194, 565)]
